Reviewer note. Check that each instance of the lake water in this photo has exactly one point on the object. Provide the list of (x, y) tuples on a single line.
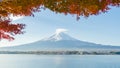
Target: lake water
[(59, 61)]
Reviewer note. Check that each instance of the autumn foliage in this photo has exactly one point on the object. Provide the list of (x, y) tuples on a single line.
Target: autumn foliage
[(27, 7), (7, 29)]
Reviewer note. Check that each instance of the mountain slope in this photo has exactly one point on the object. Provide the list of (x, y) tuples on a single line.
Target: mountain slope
[(59, 41), (58, 37)]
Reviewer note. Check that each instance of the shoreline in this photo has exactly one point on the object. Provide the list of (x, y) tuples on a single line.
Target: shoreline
[(63, 52)]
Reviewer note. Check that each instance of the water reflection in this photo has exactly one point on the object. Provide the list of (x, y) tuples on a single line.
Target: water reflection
[(59, 61)]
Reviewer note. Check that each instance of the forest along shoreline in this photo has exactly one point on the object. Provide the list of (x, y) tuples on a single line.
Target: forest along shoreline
[(63, 52)]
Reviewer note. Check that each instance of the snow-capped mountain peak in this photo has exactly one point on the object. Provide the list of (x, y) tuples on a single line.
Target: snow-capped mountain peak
[(59, 40), (59, 35)]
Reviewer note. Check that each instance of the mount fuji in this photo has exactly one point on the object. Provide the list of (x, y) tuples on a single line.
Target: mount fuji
[(59, 40)]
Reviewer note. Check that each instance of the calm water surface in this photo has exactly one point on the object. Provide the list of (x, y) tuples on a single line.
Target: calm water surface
[(59, 61)]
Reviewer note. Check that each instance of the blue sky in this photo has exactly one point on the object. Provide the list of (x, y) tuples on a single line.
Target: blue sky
[(100, 29)]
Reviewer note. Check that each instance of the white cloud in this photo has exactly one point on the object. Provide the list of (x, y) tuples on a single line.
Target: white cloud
[(59, 30)]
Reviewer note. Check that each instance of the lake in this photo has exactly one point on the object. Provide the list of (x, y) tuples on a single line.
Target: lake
[(59, 61)]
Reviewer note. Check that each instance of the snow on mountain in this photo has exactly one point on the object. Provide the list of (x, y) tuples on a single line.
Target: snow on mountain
[(59, 36), (59, 40)]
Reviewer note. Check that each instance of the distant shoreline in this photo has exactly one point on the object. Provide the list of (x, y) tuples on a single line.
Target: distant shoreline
[(63, 52)]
